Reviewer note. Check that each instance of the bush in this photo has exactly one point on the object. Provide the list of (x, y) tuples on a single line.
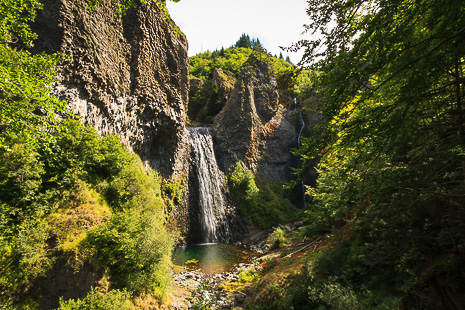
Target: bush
[(247, 275), (135, 187), (113, 300), (260, 202), (276, 239), (136, 250), (74, 197)]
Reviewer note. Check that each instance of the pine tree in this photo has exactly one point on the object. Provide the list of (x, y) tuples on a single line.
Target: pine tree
[(244, 41)]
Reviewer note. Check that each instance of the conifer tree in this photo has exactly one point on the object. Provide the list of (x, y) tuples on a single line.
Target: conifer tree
[(244, 41)]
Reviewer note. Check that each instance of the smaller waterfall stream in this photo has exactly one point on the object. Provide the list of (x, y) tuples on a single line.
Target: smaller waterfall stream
[(300, 129), (301, 124), (213, 208)]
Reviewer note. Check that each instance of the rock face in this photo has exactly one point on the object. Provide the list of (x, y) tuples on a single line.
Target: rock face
[(215, 91), (253, 127), (125, 75)]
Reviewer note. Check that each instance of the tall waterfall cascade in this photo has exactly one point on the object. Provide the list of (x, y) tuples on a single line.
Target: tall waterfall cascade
[(214, 212)]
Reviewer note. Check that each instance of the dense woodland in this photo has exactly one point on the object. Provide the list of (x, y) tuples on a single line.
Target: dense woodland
[(389, 201)]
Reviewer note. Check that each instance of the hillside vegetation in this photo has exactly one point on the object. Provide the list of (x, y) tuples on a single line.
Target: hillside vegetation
[(390, 193), (228, 63), (75, 200)]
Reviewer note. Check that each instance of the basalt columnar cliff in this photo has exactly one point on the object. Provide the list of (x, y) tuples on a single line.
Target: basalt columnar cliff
[(125, 74)]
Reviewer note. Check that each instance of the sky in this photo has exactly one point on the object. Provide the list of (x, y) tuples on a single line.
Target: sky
[(213, 24)]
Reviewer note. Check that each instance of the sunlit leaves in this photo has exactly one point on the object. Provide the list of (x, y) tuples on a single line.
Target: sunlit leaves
[(27, 108), (393, 89), (15, 18)]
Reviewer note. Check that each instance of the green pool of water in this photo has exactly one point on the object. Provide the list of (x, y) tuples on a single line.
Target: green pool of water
[(211, 258)]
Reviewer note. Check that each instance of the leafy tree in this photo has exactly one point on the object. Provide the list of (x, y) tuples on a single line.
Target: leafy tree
[(260, 202), (392, 170), (26, 107), (256, 43)]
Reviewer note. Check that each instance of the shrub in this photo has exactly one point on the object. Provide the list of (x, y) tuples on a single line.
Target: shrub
[(247, 275), (113, 300), (134, 247), (260, 202), (135, 187), (276, 239), (74, 197)]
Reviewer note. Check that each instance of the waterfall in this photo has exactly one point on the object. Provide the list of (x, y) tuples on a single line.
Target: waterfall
[(212, 203), (301, 124), (300, 128)]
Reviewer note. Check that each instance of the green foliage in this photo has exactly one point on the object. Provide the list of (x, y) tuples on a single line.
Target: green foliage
[(15, 18), (135, 187), (247, 275), (230, 61), (24, 92), (206, 95), (276, 239), (243, 180), (244, 41), (391, 176), (173, 192), (244, 190), (260, 203), (309, 291), (113, 300), (136, 250), (24, 79), (305, 82), (52, 195)]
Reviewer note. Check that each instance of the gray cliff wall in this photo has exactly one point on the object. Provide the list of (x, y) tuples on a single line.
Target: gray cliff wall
[(125, 75), (254, 126)]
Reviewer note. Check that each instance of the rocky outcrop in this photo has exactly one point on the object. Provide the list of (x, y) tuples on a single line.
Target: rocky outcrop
[(223, 84), (125, 74), (208, 99), (253, 127)]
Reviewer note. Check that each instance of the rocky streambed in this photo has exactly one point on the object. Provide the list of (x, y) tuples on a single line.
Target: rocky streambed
[(198, 290), (234, 287)]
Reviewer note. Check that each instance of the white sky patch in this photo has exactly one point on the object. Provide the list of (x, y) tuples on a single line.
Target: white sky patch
[(212, 24)]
